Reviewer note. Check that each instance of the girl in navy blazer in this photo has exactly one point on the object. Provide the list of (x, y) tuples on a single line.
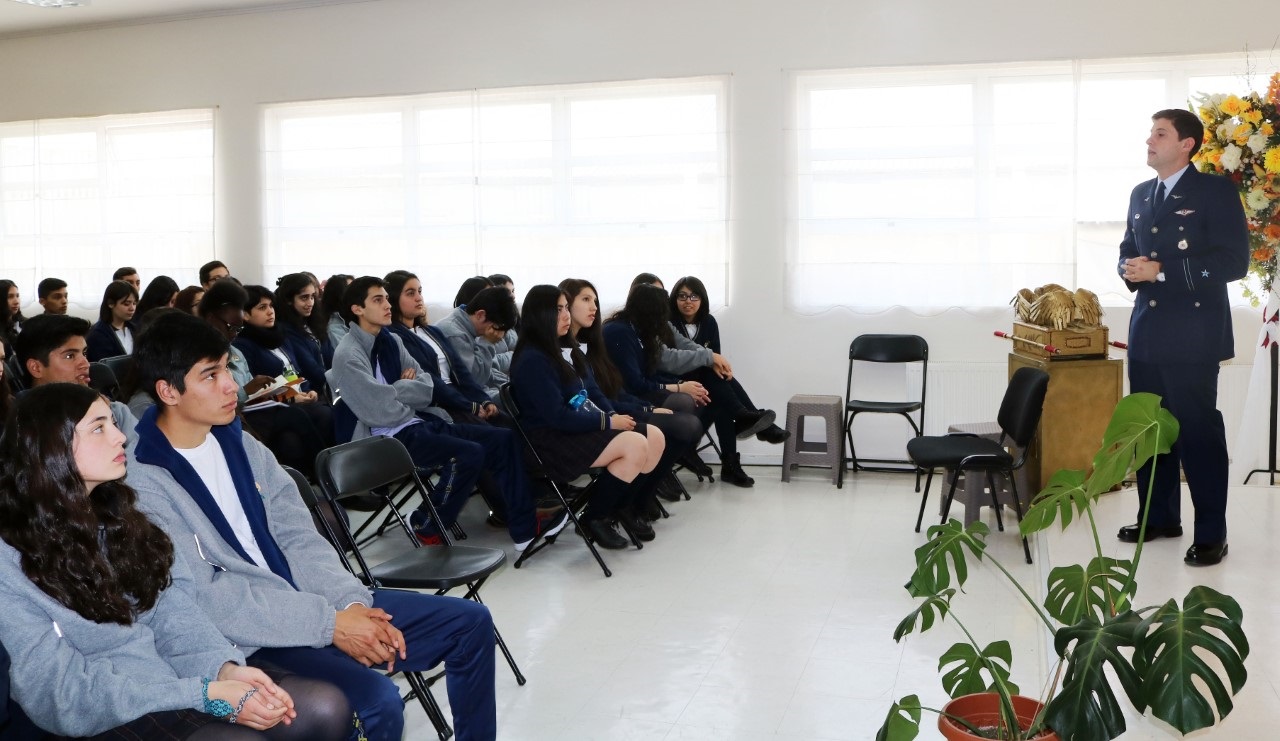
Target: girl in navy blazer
[(114, 332), (306, 336)]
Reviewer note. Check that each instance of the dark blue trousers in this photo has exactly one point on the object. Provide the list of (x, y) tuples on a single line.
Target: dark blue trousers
[(1190, 393), (456, 631)]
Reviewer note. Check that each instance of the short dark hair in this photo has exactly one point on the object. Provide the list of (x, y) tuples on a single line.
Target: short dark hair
[(209, 267), (253, 296), (121, 273), (1186, 123), (220, 294), (501, 279), (45, 333), (355, 294), (48, 286), (331, 294), (645, 279), (171, 347), (117, 290), (469, 288), (498, 306)]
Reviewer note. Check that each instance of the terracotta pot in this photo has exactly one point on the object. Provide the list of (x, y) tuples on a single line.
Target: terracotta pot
[(983, 709)]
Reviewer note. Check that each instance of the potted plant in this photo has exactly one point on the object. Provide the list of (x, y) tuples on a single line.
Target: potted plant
[(1163, 656)]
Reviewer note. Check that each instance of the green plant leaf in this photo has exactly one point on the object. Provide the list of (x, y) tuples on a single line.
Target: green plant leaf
[(1075, 591), (931, 610), (1086, 706), (1063, 497), (965, 675), (1139, 429), (1173, 646), (946, 545), (903, 721)]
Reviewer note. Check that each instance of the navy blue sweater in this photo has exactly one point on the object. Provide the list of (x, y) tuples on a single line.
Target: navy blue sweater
[(626, 352), (463, 394), (103, 342), (311, 357), (543, 397)]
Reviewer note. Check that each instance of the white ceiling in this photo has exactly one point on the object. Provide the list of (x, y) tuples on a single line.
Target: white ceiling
[(20, 19)]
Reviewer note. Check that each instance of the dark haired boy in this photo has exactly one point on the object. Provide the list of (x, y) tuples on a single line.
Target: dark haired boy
[(52, 294), (482, 331), (259, 568)]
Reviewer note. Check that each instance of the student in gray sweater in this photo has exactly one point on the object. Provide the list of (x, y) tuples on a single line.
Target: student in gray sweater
[(258, 567), (478, 330), (103, 636)]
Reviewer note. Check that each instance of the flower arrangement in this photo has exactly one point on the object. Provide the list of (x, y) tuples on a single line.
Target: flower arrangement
[(1242, 142)]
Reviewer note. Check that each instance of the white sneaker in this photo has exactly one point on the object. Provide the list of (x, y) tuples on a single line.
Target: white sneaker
[(546, 528)]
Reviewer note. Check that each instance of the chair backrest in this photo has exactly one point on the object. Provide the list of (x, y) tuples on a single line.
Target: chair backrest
[(1023, 402), (889, 348), (102, 379), (14, 374), (330, 520), (120, 365)]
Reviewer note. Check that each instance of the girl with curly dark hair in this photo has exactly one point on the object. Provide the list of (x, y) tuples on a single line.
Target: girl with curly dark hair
[(104, 642)]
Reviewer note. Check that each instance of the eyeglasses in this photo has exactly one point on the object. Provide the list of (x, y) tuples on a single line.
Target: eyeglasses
[(690, 297), (233, 329)]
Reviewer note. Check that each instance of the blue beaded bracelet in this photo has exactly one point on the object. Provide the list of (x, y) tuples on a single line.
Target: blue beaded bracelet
[(216, 708)]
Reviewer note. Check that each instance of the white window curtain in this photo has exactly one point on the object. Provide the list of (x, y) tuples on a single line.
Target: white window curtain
[(956, 186), (80, 197), (599, 181)]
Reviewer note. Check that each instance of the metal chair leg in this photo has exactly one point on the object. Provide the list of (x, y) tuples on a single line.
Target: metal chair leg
[(924, 499)]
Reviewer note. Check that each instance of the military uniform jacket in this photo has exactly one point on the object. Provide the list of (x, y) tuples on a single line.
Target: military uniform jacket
[(1200, 238)]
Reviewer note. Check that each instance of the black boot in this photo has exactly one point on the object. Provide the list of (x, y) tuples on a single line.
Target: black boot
[(603, 534), (773, 434), (750, 421), (731, 471)]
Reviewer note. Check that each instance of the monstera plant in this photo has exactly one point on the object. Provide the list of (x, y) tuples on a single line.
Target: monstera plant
[(1170, 659)]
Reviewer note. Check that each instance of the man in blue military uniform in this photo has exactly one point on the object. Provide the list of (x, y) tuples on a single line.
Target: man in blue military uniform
[(1185, 240)]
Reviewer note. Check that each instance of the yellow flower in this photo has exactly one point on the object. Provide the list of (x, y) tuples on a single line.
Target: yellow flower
[(1267, 129), (1232, 105), (1242, 133), (1253, 116), (1272, 161)]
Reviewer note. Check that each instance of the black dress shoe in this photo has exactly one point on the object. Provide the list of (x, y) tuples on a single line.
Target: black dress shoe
[(773, 434), (1202, 554), (1129, 533), (635, 525), (604, 535), (748, 422)]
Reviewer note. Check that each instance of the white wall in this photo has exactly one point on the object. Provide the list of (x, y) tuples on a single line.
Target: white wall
[(380, 47)]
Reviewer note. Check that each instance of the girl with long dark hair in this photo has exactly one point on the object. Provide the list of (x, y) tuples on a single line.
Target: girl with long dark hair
[(104, 641), (642, 344), (569, 430), (331, 306), (11, 317), (297, 301), (162, 291), (691, 318), (115, 330)]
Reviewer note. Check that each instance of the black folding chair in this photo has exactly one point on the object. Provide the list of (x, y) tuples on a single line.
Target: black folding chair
[(538, 472), (884, 348), (14, 374), (1019, 416), (103, 380)]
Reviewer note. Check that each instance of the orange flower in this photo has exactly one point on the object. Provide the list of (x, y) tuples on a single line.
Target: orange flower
[(1264, 254)]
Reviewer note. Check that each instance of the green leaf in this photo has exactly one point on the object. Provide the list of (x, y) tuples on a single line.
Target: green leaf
[(1061, 498), (965, 675), (903, 721), (947, 544), (1173, 646), (1139, 429), (933, 609), (1086, 706), (1075, 591)]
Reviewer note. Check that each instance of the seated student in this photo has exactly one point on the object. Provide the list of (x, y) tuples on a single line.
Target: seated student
[(187, 299), (388, 393), (114, 332), (477, 331), (6, 395), (455, 391), (98, 617), (52, 294), (286, 430), (638, 338), (265, 348), (570, 432), (13, 319), (160, 293), (260, 570), (469, 288), (128, 275), (675, 417), (331, 303), (691, 318), (298, 313), (52, 349), (211, 272)]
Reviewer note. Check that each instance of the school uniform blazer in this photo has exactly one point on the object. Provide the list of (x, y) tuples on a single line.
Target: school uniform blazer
[(263, 362), (311, 356), (462, 393), (543, 397), (103, 342), (249, 604), (626, 351), (706, 333), (1200, 238), (76, 677)]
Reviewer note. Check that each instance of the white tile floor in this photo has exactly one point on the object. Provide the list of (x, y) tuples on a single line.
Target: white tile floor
[(768, 613)]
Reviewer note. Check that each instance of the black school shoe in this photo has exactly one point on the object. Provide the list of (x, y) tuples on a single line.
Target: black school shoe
[(603, 534), (773, 434), (749, 422)]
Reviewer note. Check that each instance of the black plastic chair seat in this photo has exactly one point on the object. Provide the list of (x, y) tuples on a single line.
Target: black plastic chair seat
[(882, 407), (951, 451), (436, 567)]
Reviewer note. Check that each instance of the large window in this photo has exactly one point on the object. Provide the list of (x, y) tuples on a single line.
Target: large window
[(81, 197), (956, 186), (600, 181)]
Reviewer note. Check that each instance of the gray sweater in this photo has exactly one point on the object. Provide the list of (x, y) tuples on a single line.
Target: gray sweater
[(478, 353), (377, 404), (75, 677), (253, 607), (685, 357)]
